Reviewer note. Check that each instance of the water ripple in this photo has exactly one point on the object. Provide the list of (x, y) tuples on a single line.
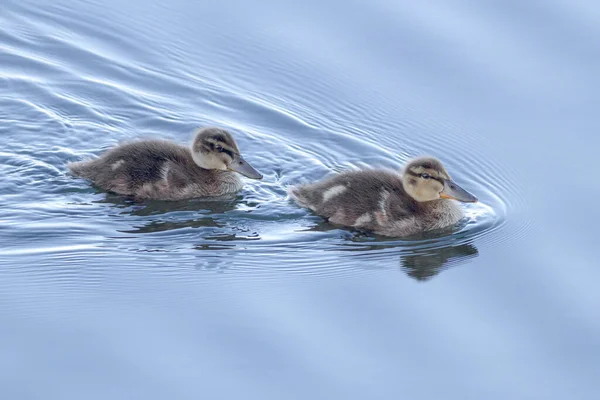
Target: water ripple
[(85, 89)]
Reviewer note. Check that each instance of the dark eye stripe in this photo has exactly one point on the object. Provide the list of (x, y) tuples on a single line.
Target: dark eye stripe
[(228, 152), (220, 148), (440, 180)]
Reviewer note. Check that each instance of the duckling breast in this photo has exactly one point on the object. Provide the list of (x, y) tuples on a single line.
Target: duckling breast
[(443, 213)]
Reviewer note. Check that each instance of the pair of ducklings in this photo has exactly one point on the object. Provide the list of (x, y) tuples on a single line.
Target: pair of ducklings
[(382, 201)]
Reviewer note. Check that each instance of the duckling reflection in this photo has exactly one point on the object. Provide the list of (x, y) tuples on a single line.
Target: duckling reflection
[(427, 263), (162, 170), (385, 202), (417, 261), (159, 215), (163, 226), (424, 263), (133, 206)]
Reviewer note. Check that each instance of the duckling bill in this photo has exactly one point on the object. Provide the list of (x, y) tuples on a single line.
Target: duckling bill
[(163, 170), (421, 198)]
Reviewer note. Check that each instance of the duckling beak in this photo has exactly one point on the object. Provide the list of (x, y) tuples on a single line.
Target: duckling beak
[(453, 191), (242, 166)]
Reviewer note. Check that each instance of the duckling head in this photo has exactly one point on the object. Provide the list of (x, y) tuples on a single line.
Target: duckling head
[(214, 148), (426, 179)]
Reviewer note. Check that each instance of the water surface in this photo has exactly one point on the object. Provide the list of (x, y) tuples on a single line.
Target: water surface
[(254, 297)]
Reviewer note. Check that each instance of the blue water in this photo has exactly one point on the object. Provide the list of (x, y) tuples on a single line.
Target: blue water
[(102, 297)]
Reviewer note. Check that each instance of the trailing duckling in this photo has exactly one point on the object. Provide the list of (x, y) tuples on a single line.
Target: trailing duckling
[(163, 170), (386, 202)]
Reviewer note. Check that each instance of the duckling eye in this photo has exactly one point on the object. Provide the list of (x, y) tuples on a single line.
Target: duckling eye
[(425, 176), (218, 148)]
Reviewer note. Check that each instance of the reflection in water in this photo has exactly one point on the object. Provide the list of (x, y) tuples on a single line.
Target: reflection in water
[(173, 215), (162, 226), (425, 263), (216, 205), (419, 259), (421, 256)]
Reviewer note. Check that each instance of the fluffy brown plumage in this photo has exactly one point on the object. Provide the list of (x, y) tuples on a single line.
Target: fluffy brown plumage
[(162, 170), (386, 202)]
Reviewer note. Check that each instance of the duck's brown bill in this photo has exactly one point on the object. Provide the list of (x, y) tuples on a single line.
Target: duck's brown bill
[(241, 166), (453, 191)]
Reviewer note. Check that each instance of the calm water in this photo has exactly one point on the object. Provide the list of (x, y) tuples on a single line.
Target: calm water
[(101, 297)]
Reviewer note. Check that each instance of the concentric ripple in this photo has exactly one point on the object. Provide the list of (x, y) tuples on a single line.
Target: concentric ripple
[(63, 109)]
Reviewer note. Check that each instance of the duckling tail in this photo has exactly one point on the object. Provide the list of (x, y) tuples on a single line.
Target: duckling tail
[(81, 168), (301, 195)]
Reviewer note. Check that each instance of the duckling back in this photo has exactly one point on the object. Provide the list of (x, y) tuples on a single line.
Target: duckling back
[(155, 169), (356, 198), (374, 200)]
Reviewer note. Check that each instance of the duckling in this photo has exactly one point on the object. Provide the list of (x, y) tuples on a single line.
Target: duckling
[(386, 202), (163, 170)]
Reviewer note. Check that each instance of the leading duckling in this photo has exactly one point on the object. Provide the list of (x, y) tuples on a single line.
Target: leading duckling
[(421, 198), (163, 170)]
